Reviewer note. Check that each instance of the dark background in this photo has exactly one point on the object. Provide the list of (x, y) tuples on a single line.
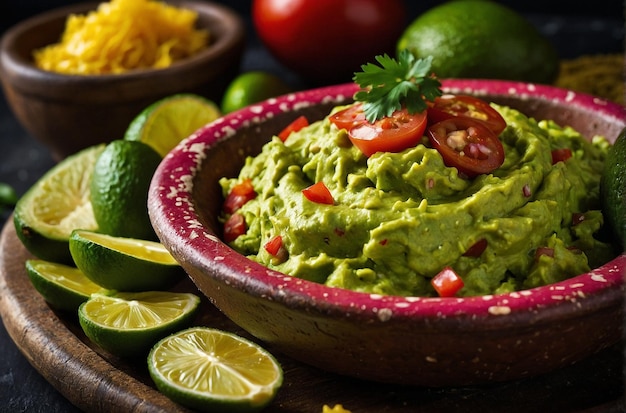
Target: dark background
[(577, 29)]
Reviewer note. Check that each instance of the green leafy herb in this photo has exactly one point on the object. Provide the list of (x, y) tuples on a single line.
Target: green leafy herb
[(394, 84)]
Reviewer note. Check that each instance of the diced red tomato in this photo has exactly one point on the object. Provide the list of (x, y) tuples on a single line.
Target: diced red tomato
[(447, 283), (447, 106), (319, 193), (561, 155), (299, 123), (547, 251), (467, 145), (477, 249), (238, 196), (274, 245), (577, 218), (234, 227)]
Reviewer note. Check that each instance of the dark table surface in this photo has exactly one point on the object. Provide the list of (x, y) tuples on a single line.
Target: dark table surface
[(583, 30)]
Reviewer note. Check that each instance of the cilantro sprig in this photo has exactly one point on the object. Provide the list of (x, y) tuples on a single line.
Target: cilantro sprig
[(396, 83)]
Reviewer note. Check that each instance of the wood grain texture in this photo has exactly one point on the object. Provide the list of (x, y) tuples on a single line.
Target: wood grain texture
[(97, 381)]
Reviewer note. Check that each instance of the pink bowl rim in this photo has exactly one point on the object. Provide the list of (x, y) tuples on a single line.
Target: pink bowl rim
[(171, 208)]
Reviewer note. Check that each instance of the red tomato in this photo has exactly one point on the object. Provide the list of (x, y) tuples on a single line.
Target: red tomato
[(391, 134), (328, 39), (238, 196), (467, 145), (349, 117), (274, 245), (299, 123), (234, 227), (561, 155), (447, 283), (319, 193), (447, 106), (477, 249)]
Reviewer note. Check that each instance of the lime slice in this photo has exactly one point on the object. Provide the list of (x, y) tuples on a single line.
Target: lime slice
[(212, 370), (119, 189), (166, 122), (63, 287), (56, 204), (129, 324), (123, 264)]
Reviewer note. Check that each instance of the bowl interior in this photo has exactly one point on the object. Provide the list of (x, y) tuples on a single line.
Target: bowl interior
[(539, 102)]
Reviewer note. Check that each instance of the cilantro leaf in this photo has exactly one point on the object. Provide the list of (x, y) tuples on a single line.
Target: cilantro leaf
[(394, 84)]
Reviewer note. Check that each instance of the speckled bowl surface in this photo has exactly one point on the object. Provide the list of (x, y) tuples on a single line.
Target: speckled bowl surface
[(405, 340), (67, 113)]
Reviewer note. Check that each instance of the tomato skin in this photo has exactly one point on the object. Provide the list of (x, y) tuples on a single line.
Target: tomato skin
[(561, 155), (349, 117), (274, 245), (467, 145), (234, 227), (238, 196), (297, 124), (390, 134), (328, 39), (447, 106), (447, 283), (318, 193)]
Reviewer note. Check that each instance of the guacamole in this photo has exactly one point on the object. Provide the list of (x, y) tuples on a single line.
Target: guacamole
[(399, 218)]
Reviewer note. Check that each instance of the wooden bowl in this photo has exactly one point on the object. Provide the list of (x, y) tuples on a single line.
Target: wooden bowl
[(67, 113), (405, 340)]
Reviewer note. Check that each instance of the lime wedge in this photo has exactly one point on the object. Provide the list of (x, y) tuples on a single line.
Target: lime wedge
[(63, 287), (166, 122), (213, 370), (129, 324), (123, 264), (55, 205)]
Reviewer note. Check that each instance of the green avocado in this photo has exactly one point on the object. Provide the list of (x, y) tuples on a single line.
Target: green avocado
[(399, 218)]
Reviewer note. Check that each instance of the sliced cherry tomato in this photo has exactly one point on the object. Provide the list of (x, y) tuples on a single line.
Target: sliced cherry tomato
[(349, 117), (477, 249), (238, 196), (395, 133), (274, 245), (447, 106), (561, 155), (298, 123), (234, 227), (467, 145), (447, 283), (319, 193)]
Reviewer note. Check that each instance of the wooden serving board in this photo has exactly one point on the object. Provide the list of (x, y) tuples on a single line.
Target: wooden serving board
[(97, 381)]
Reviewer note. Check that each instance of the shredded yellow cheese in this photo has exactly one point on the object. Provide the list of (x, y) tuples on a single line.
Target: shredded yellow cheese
[(335, 409), (123, 35)]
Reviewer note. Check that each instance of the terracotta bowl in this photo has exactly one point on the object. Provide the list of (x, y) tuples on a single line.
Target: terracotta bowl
[(405, 340), (67, 113)]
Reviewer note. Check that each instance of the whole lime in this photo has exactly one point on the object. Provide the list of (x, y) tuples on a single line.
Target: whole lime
[(119, 189), (481, 39), (252, 87)]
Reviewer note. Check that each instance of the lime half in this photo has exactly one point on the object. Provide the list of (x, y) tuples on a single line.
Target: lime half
[(129, 324), (123, 264), (163, 124), (55, 205), (62, 286), (213, 370)]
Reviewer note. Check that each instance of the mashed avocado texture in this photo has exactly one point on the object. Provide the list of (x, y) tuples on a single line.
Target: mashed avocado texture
[(399, 218)]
